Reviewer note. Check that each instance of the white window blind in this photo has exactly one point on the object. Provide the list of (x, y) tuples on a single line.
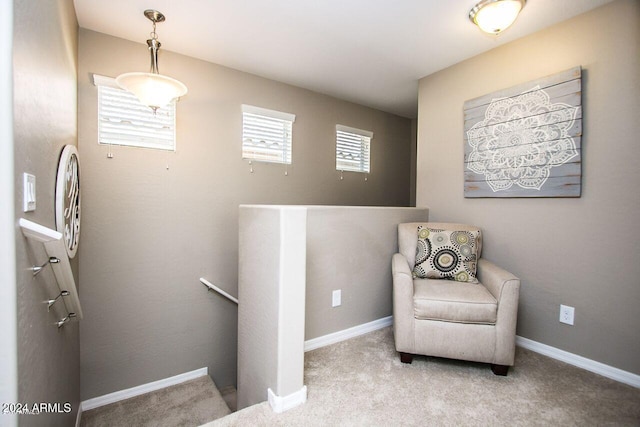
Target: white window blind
[(123, 120), (266, 135), (353, 149)]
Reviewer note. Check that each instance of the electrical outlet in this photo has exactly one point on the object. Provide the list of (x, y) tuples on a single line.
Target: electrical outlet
[(336, 298), (566, 314)]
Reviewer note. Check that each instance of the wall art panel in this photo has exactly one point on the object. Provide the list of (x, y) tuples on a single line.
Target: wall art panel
[(525, 141)]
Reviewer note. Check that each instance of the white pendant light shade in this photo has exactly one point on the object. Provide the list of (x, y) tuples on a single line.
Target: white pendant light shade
[(154, 90), (494, 16)]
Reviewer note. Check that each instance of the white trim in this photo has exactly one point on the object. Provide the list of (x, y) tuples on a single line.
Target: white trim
[(251, 109), (361, 132), (141, 389), (8, 287), (346, 334), (280, 404), (99, 80), (37, 232), (581, 362), (79, 415)]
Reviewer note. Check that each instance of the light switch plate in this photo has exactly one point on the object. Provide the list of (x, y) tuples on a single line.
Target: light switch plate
[(29, 192), (336, 298)]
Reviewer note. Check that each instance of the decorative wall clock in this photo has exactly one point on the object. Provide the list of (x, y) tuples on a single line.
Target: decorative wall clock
[(68, 199)]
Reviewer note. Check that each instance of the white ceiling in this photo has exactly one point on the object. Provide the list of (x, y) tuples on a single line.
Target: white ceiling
[(371, 52)]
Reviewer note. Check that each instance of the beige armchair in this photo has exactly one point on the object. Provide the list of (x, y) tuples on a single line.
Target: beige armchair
[(446, 318)]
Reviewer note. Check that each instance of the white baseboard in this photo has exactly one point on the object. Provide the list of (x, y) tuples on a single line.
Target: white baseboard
[(581, 362), (346, 334), (555, 353), (79, 415), (280, 404), (141, 389)]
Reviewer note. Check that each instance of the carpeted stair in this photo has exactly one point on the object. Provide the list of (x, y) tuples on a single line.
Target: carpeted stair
[(191, 403)]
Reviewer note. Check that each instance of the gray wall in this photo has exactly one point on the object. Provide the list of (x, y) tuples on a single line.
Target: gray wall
[(150, 232), (346, 248), (350, 248), (580, 252), (45, 81)]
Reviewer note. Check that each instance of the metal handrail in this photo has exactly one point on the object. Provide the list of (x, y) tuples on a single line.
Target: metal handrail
[(211, 287)]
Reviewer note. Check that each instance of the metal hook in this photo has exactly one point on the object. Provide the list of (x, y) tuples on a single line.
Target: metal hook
[(38, 268), (64, 320), (53, 301)]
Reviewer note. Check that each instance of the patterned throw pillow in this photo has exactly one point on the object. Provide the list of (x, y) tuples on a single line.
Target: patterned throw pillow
[(447, 254)]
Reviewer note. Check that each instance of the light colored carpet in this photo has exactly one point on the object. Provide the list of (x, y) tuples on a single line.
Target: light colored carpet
[(361, 382), (187, 404)]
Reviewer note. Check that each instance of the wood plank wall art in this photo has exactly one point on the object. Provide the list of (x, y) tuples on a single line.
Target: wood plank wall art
[(525, 141)]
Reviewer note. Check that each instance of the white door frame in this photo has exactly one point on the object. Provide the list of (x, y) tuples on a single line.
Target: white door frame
[(8, 301)]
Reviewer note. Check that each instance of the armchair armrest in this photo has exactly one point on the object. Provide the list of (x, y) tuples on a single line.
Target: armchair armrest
[(495, 278), (400, 265), (403, 321), (505, 287)]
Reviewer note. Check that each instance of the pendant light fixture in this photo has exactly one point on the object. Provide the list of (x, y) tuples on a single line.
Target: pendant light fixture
[(494, 16), (152, 88)]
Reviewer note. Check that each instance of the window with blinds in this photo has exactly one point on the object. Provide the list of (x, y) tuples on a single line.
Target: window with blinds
[(353, 149), (123, 120), (266, 135)]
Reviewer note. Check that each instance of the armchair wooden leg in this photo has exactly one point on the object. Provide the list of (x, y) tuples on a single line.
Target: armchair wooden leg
[(406, 357), (500, 369)]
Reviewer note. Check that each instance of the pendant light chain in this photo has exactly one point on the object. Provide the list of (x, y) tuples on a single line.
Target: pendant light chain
[(154, 45), (153, 34)]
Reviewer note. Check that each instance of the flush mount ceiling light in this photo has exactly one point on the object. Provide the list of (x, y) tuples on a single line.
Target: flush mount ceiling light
[(152, 88), (494, 16)]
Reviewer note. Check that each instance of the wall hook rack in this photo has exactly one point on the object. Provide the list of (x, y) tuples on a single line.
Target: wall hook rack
[(53, 301), (65, 319), (54, 247), (38, 268)]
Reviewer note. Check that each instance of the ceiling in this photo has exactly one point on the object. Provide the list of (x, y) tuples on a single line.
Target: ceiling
[(371, 52)]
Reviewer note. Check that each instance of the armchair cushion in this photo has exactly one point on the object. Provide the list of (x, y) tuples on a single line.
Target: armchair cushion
[(447, 254), (453, 302)]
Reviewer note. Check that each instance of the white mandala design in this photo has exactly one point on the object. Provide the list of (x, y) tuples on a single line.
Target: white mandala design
[(521, 139)]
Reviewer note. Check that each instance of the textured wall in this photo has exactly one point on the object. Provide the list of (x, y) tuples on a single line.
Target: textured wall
[(579, 252), (350, 248), (45, 81), (150, 232)]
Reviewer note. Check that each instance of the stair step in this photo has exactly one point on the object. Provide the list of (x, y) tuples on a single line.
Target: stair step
[(190, 403)]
